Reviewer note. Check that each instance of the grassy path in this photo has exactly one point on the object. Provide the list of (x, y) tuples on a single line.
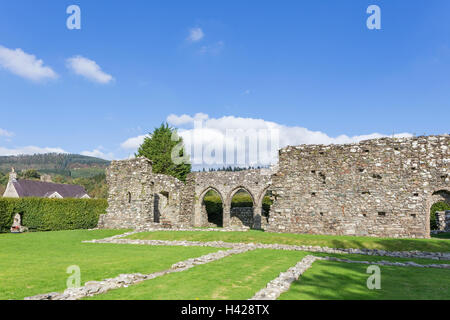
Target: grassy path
[(35, 263), (431, 245), (336, 280)]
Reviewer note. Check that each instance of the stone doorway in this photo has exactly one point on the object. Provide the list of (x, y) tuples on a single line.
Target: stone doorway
[(212, 209), (161, 201), (242, 209)]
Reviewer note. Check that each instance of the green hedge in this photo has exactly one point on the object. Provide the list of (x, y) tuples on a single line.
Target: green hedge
[(42, 214)]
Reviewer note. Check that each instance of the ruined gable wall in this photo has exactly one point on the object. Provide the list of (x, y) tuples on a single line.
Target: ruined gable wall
[(382, 187), (139, 198), (130, 196)]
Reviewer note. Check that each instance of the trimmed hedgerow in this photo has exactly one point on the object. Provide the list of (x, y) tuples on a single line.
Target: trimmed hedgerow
[(42, 214), (6, 213)]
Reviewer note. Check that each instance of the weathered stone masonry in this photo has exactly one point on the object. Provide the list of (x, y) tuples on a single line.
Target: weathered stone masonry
[(227, 184), (139, 198), (383, 187)]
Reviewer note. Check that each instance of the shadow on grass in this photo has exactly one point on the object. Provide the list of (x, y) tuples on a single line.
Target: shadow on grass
[(328, 280), (441, 235)]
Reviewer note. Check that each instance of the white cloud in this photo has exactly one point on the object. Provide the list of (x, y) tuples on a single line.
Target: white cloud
[(25, 65), (89, 69), (212, 136), (213, 133), (98, 154), (213, 49), (195, 34), (185, 119), (28, 150), (133, 143), (6, 133)]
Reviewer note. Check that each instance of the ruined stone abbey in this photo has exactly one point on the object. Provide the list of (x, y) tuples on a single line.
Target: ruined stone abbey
[(382, 187)]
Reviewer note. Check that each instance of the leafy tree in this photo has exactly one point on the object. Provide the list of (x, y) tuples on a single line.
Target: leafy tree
[(3, 179), (30, 174), (161, 147), (3, 182), (95, 186), (61, 179)]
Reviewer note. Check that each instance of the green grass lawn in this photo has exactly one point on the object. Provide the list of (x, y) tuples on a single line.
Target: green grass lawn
[(235, 277), (35, 263), (336, 280), (435, 245)]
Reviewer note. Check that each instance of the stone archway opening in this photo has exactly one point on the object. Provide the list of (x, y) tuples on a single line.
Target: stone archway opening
[(242, 209), (265, 208), (440, 202), (212, 206), (161, 201)]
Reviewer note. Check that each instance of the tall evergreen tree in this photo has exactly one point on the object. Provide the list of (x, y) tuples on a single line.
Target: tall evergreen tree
[(164, 146)]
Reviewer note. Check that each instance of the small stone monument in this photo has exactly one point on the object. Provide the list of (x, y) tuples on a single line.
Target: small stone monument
[(17, 226)]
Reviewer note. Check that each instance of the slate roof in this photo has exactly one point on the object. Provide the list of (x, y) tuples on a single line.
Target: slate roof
[(31, 188)]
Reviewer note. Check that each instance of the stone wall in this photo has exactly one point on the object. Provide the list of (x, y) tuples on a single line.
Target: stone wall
[(242, 217), (383, 187), (227, 184)]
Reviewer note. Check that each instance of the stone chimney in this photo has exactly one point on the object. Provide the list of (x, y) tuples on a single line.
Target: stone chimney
[(46, 178), (12, 175)]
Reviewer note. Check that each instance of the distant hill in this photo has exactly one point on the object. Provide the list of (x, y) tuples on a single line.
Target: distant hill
[(69, 165)]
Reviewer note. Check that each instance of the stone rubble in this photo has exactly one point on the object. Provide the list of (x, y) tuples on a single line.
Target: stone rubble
[(283, 282), (92, 288)]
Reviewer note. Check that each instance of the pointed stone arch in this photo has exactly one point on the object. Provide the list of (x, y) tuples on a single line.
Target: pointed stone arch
[(206, 190), (208, 219), (263, 216), (236, 190), (440, 195), (242, 215)]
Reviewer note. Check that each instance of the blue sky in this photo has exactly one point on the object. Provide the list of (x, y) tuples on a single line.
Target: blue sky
[(306, 66)]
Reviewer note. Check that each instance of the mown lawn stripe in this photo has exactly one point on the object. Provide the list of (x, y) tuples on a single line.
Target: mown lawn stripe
[(342, 281), (36, 263), (236, 277)]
